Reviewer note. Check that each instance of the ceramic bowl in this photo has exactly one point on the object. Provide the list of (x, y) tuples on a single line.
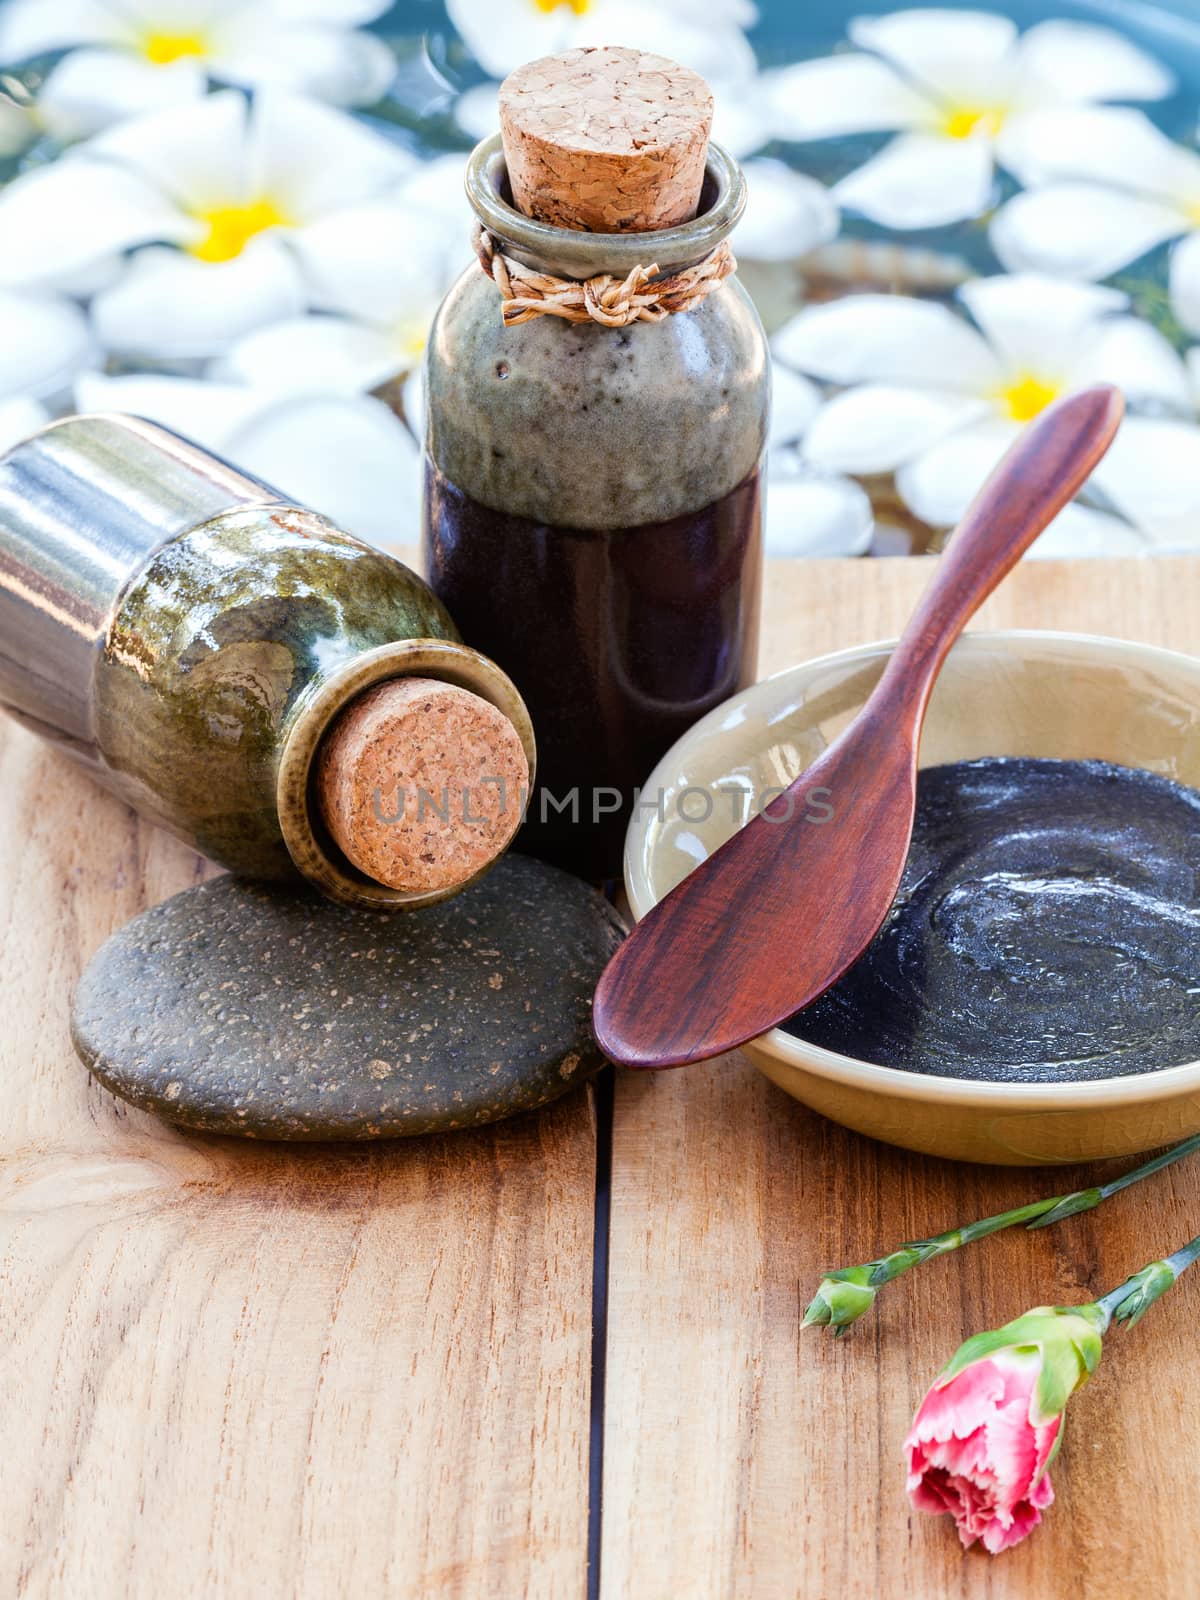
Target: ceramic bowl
[(1000, 694)]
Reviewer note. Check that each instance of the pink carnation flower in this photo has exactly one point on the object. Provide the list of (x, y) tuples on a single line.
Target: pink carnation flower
[(976, 1451)]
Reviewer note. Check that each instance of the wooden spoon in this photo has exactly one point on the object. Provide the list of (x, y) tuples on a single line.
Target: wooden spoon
[(780, 911)]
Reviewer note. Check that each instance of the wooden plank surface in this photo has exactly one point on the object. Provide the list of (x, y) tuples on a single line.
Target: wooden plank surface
[(744, 1458), (230, 1369), (237, 1370)]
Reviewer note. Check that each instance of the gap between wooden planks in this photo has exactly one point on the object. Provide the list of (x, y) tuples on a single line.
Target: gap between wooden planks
[(743, 1458), (234, 1369)]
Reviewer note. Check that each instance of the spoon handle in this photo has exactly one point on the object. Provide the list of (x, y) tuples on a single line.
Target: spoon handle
[(1040, 474)]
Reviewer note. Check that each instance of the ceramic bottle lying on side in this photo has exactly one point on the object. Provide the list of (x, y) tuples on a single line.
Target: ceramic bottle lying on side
[(197, 640)]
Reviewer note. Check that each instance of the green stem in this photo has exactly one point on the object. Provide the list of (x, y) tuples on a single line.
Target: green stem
[(1084, 1199), (1038, 1214), (860, 1283), (1130, 1300)]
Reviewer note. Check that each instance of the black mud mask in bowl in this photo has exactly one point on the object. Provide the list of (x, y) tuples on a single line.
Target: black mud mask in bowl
[(1047, 929)]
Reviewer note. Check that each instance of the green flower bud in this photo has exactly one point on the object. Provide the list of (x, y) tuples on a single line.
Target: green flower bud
[(1145, 1287), (841, 1300)]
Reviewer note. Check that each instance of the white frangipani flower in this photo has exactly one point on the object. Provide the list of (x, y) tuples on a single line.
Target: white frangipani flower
[(249, 216), (504, 34), (45, 341), (131, 56), (937, 401), (787, 214), (1111, 188), (812, 513), (951, 84), (383, 266), (349, 457), (807, 512)]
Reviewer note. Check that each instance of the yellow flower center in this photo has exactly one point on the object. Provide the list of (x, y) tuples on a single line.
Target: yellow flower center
[(231, 228), (162, 47), (410, 337), (1028, 397), (547, 7), (960, 122)]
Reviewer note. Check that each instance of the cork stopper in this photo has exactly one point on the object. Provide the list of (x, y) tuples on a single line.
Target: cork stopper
[(606, 140), (421, 784)]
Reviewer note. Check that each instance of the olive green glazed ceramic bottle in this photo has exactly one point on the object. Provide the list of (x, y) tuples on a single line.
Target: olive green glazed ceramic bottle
[(592, 504), (189, 634)]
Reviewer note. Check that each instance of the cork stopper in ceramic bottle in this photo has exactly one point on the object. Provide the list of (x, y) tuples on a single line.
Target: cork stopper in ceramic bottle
[(606, 140), (421, 783)]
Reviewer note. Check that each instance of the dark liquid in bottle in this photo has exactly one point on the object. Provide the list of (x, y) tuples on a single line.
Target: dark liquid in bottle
[(618, 642)]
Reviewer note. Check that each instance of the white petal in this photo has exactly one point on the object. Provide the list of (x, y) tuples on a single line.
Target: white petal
[(314, 355), (435, 192), (1168, 538), (948, 51), (503, 34), (83, 282), (35, 27), (718, 51), (18, 419), (1080, 230), (209, 413), (921, 181), (1099, 144), (1152, 471), (839, 95), (477, 110), (377, 261), (313, 159), (741, 122), (1185, 282), (742, 13), (1085, 62), (195, 152), (794, 403), (889, 338), (90, 89), (939, 485), (44, 341), (65, 217), (169, 305), (787, 214), (817, 515), (348, 69), (1142, 363), (1078, 531), (785, 460), (343, 13), (353, 460), (878, 427), (1037, 324)]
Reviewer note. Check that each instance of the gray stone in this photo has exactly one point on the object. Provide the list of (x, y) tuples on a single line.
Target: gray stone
[(243, 1008)]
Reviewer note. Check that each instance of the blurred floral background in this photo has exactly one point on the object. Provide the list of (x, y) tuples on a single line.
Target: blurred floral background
[(237, 217)]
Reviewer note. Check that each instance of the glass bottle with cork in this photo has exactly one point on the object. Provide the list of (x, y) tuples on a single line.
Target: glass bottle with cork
[(597, 411)]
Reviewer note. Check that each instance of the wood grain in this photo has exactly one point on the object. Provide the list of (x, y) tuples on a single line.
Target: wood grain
[(230, 1369), (746, 1459), (235, 1370)]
